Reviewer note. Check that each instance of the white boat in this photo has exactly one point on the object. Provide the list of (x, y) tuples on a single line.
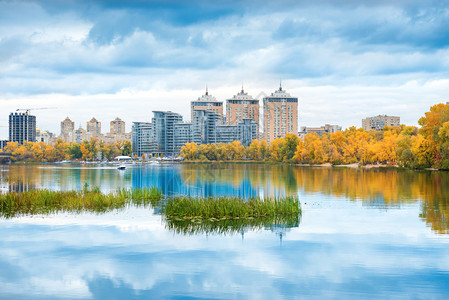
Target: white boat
[(121, 167)]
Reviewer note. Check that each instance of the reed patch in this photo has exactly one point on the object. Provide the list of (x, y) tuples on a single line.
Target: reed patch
[(229, 207), (47, 202)]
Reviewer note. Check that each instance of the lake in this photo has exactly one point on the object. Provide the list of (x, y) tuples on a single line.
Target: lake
[(363, 234)]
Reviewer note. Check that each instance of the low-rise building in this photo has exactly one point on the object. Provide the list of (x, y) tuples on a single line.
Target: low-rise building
[(45, 136), (319, 130), (379, 122), (113, 137)]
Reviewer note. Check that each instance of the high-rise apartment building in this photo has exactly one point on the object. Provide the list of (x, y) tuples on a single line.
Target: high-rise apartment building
[(164, 125), (117, 126), (94, 128), (280, 112), (207, 102), (143, 139), (206, 128), (67, 130), (205, 124), (226, 134), (379, 122), (242, 106), (22, 127), (80, 135), (247, 131), (183, 134)]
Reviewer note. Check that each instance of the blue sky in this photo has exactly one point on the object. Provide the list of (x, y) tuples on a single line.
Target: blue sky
[(344, 60)]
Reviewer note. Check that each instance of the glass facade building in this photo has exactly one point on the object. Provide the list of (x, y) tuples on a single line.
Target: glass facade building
[(183, 135), (164, 131), (22, 127), (143, 141)]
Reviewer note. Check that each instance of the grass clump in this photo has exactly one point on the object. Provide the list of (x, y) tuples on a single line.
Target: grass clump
[(230, 226), (46, 201), (229, 207)]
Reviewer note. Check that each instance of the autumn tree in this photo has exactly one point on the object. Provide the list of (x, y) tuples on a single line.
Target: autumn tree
[(189, 151), (253, 152), (288, 147), (263, 149)]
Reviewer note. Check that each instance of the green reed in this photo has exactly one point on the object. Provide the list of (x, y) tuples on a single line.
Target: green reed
[(46, 202), (229, 207), (230, 226)]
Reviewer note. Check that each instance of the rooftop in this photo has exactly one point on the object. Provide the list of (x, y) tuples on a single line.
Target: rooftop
[(207, 98), (242, 96)]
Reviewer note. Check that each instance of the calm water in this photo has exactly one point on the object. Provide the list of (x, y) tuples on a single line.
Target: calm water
[(362, 234)]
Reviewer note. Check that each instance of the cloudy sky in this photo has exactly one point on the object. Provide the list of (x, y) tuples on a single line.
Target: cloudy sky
[(344, 60)]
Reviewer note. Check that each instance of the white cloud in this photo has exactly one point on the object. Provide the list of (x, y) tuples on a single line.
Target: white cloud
[(343, 63)]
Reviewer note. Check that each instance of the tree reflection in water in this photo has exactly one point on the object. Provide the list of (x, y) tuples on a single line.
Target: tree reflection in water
[(375, 188)]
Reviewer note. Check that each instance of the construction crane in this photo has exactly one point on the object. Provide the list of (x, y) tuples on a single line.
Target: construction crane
[(27, 110)]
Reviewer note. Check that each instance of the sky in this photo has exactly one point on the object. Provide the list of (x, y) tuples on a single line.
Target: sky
[(344, 60)]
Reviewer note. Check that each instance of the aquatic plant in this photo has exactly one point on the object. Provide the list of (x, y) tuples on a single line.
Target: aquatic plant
[(237, 225), (46, 201), (229, 207)]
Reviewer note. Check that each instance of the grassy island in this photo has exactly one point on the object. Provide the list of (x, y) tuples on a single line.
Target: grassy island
[(176, 209), (46, 202), (229, 207)]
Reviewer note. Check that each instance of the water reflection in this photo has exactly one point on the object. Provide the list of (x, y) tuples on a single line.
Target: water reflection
[(382, 189), (232, 226), (363, 239)]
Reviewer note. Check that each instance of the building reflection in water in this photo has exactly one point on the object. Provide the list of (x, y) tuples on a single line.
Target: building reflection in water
[(379, 189)]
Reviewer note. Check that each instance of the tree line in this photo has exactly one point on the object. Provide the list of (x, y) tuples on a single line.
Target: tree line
[(92, 149), (406, 146)]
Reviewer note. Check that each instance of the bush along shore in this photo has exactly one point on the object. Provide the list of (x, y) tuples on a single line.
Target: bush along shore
[(183, 214)]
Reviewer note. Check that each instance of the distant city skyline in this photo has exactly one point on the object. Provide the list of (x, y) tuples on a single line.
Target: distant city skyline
[(345, 61)]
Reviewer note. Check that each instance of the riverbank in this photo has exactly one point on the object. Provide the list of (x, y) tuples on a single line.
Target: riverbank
[(326, 165), (240, 162)]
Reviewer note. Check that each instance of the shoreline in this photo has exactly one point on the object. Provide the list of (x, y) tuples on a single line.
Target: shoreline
[(248, 162), (325, 165)]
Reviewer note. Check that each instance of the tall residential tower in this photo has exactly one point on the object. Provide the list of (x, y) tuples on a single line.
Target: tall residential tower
[(93, 128), (242, 106), (22, 127), (280, 113), (164, 131), (117, 126), (206, 102), (67, 130)]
